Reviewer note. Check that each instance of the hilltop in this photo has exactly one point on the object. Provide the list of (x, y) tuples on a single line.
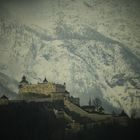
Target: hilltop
[(37, 120)]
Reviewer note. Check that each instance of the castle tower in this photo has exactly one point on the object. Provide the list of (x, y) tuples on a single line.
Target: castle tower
[(23, 81), (65, 85), (45, 80)]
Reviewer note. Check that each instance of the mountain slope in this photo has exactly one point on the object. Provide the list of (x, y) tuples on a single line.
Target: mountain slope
[(91, 64), (8, 86)]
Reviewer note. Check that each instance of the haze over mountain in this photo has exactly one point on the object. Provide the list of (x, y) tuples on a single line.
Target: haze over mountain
[(92, 46)]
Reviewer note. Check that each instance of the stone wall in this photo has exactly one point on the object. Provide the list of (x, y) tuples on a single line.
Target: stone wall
[(43, 88), (53, 91)]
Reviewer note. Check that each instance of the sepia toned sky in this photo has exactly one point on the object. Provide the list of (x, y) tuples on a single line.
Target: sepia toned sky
[(113, 18)]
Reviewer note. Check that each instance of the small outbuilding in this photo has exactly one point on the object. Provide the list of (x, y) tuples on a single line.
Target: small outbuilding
[(4, 100)]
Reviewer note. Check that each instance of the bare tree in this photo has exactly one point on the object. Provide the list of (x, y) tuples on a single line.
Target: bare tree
[(89, 103), (97, 103)]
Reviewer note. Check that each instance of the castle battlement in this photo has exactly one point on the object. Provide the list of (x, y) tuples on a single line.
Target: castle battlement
[(45, 88)]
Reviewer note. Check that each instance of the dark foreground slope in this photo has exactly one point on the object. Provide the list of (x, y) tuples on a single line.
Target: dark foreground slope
[(36, 121), (29, 121), (112, 132)]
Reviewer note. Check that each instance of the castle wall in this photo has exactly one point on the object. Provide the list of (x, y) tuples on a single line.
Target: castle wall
[(58, 96), (43, 88), (56, 91)]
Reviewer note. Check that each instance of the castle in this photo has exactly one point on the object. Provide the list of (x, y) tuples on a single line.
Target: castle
[(45, 89)]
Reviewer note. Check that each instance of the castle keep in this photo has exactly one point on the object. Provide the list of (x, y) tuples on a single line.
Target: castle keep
[(51, 90)]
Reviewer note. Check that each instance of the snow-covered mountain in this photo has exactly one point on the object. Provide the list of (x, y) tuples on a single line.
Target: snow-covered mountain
[(91, 64), (91, 45), (116, 19), (8, 86)]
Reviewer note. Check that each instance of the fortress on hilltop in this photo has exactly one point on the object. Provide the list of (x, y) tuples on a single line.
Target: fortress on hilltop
[(51, 90), (45, 89)]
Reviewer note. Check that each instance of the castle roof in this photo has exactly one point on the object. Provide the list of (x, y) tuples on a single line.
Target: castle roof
[(45, 80), (24, 80), (4, 97), (67, 92)]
